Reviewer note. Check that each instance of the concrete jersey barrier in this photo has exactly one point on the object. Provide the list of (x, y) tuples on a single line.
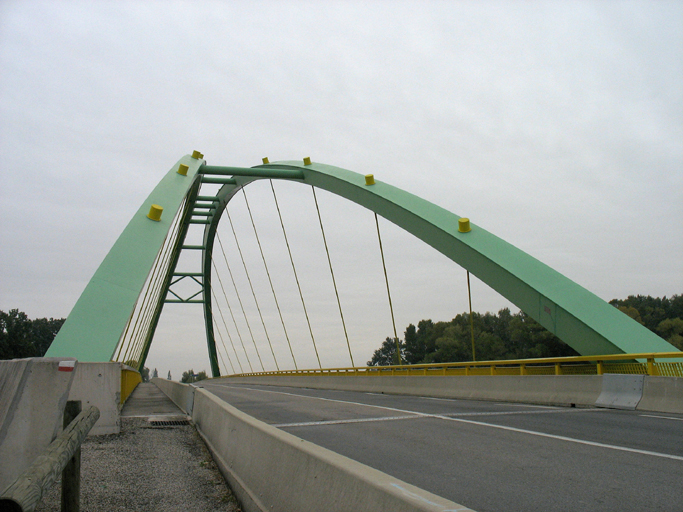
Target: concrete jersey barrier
[(641, 392), (180, 394), (271, 470), (565, 390), (33, 394)]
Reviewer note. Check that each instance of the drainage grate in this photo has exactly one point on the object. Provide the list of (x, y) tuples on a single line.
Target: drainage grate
[(173, 423)]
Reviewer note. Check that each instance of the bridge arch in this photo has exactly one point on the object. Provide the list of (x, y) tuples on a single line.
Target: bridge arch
[(578, 317)]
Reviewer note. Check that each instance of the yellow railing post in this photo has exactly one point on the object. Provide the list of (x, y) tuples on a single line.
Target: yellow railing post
[(522, 370), (558, 369), (493, 369), (651, 368), (601, 368)]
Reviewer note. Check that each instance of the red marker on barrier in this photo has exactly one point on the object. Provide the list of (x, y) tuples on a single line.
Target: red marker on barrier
[(66, 366)]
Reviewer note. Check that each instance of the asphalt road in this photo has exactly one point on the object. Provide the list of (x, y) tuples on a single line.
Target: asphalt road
[(488, 456)]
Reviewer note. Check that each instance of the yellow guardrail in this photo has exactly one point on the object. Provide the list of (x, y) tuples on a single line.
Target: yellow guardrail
[(641, 364)]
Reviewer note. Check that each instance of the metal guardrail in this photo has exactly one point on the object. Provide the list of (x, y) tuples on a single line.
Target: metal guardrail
[(640, 364), (63, 455)]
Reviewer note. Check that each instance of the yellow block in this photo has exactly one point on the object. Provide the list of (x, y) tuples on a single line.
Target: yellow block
[(155, 212), (197, 155), (265, 160), (369, 179), (182, 169), (464, 225), (307, 160)]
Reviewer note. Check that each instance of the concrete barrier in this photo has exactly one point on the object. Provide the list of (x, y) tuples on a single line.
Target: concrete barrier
[(181, 394), (621, 391), (99, 384), (582, 390), (662, 394), (271, 470), (33, 394)]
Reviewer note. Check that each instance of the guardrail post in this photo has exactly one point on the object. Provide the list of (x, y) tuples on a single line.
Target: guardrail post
[(601, 368), (558, 369), (493, 369), (651, 369), (71, 475)]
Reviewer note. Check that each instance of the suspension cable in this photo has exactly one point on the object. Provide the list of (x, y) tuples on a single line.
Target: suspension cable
[(334, 282), (253, 293), (252, 289), (153, 283), (469, 295), (386, 279), (216, 329), (296, 277), (241, 305), (272, 288), (220, 310)]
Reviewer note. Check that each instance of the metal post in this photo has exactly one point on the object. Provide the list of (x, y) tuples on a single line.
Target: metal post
[(71, 475)]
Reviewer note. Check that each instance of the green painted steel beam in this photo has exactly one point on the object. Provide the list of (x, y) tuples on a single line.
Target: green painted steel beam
[(93, 329), (218, 181), (253, 172), (578, 317), (95, 325)]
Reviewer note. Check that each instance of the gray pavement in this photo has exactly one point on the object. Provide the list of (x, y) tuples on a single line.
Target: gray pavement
[(155, 469), (488, 456)]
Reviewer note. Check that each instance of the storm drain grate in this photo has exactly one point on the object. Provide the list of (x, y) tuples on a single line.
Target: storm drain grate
[(173, 423)]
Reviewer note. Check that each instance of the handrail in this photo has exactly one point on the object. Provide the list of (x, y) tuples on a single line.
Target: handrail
[(649, 366), (26, 492)]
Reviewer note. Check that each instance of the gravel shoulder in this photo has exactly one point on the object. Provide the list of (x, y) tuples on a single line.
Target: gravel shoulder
[(155, 469)]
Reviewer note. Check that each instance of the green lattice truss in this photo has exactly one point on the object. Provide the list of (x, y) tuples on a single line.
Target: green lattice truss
[(125, 296)]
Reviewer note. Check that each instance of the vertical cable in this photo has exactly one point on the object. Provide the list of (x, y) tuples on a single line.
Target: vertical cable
[(469, 294), (252, 289), (386, 279), (220, 310), (296, 277), (334, 282), (272, 288), (241, 305)]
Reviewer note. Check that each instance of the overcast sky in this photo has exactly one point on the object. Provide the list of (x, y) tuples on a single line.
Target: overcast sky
[(557, 126)]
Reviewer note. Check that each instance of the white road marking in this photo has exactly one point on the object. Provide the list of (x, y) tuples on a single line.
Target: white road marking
[(527, 405), (662, 417), (480, 423)]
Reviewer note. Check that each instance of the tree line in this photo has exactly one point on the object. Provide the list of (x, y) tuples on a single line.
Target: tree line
[(515, 336), (22, 337), (503, 335)]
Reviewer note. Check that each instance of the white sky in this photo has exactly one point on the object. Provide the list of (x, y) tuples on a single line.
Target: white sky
[(557, 126)]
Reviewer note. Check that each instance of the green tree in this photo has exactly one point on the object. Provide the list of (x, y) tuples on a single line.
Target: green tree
[(671, 330), (386, 354), (22, 337), (189, 376)]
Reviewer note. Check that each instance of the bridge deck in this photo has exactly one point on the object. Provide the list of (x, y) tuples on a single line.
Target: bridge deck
[(485, 455)]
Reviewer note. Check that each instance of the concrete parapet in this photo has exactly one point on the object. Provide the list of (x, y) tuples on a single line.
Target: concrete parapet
[(33, 393), (99, 384), (269, 469), (537, 389), (620, 391), (181, 394), (662, 394)]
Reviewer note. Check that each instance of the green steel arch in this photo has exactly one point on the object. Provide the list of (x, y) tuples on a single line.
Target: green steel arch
[(104, 311)]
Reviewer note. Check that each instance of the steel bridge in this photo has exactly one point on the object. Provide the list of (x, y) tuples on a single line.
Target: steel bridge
[(117, 314)]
